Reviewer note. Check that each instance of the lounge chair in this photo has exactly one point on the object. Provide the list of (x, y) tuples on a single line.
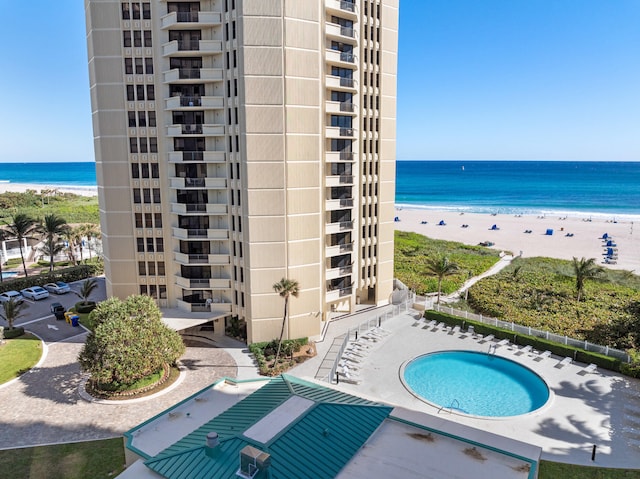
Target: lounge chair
[(564, 362), (502, 342), (590, 369), (543, 355), (524, 350), (455, 330), (347, 356), (430, 324), (488, 338)]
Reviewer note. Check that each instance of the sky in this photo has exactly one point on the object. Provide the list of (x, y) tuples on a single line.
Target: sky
[(477, 79)]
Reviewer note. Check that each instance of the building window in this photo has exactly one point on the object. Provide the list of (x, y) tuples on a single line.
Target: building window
[(137, 38), (138, 218), (146, 11), (148, 66), (128, 66), (162, 290), (126, 14), (155, 172), (136, 11), (148, 220), (133, 145), (142, 119), (140, 92), (135, 170), (142, 270), (139, 69), (152, 119), (156, 195), (153, 291), (161, 268), (146, 195), (147, 38), (151, 268), (160, 245), (126, 38), (130, 96), (143, 289), (132, 119), (140, 245), (151, 95), (143, 145), (158, 220)]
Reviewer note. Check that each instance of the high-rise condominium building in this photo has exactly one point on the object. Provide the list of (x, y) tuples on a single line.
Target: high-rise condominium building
[(239, 142)]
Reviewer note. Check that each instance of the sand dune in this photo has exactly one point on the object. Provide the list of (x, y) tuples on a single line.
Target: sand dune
[(22, 187), (585, 240)]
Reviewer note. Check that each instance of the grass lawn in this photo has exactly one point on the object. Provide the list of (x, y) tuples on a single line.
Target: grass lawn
[(93, 459), (18, 355), (556, 470)]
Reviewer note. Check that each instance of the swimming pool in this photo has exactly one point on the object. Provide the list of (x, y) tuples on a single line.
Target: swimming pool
[(9, 274), (475, 383)]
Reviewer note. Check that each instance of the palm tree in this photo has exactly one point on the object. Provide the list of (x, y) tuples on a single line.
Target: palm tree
[(440, 266), (58, 247), (285, 288), (52, 227), (11, 310), (23, 227), (585, 269), (91, 231), (88, 286), (70, 240), (3, 236)]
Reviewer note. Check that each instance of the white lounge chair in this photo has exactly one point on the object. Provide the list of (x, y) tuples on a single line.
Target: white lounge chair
[(590, 369), (524, 350), (488, 338), (544, 355), (502, 342), (430, 324), (347, 378), (455, 330), (564, 362)]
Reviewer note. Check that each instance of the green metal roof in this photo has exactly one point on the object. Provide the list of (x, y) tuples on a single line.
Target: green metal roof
[(318, 444)]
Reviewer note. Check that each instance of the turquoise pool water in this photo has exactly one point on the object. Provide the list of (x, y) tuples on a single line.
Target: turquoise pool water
[(476, 383), (8, 274)]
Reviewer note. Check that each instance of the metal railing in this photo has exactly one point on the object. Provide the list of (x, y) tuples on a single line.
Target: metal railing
[(529, 331), (375, 321)]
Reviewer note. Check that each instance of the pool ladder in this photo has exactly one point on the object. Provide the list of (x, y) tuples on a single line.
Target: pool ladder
[(454, 402)]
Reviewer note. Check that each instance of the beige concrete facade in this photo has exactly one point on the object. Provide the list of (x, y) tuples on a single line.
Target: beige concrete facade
[(242, 141)]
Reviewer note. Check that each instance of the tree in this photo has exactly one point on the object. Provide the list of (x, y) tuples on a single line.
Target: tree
[(285, 288), (23, 227), (130, 342), (440, 266), (52, 228), (11, 310), (91, 231), (583, 270), (3, 236), (88, 287)]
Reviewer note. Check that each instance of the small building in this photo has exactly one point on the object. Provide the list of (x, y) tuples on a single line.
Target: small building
[(285, 427)]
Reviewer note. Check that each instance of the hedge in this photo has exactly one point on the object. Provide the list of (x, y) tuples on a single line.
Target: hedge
[(68, 275), (258, 350), (536, 342), (13, 333)]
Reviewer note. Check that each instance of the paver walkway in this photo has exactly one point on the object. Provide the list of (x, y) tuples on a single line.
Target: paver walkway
[(44, 406)]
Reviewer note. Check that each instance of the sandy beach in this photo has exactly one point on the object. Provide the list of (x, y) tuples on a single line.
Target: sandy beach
[(22, 187), (584, 240)]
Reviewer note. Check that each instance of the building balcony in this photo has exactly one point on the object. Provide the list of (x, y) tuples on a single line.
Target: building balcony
[(200, 234), (186, 75), (339, 204), (338, 156), (339, 227), (334, 273), (206, 156), (197, 259), (195, 129), (208, 183), (339, 180), (190, 20), (345, 59), (342, 8), (339, 132), (337, 294), (338, 32), (199, 208), (176, 48), (340, 83), (216, 308), (337, 250), (340, 107), (185, 102)]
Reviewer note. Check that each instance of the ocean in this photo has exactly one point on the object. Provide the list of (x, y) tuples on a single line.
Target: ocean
[(564, 188), (69, 174), (603, 188)]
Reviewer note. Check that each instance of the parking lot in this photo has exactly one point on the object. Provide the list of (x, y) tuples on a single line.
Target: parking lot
[(37, 315)]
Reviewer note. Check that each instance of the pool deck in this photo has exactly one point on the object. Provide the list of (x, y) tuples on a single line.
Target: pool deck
[(586, 409)]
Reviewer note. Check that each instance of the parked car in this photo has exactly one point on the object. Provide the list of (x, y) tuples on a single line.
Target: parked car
[(59, 287), (7, 295), (35, 293)]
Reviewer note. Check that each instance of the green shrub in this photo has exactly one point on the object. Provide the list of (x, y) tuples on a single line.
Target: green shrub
[(82, 307), (265, 353), (13, 333), (538, 343), (68, 275)]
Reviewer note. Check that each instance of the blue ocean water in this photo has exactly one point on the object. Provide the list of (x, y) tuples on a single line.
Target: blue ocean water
[(610, 189), (71, 174)]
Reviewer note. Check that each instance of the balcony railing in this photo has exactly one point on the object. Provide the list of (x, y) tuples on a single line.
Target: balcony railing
[(346, 202), (190, 45), (346, 131), (187, 16), (347, 107), (348, 6), (346, 156), (192, 129), (347, 32), (346, 81), (197, 233), (194, 182), (189, 73), (192, 155), (347, 57), (196, 207), (190, 101)]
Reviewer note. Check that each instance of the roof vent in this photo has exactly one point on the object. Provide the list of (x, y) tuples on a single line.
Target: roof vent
[(252, 461), (211, 444)]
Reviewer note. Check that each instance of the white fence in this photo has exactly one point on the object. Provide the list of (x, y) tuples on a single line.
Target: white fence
[(516, 328)]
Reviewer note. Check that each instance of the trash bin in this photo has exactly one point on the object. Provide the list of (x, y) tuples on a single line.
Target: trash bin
[(57, 310), (74, 321)]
